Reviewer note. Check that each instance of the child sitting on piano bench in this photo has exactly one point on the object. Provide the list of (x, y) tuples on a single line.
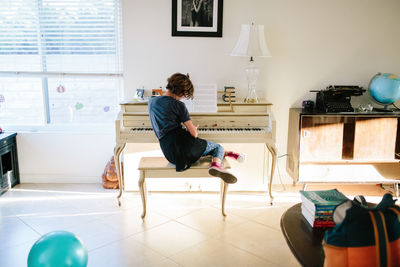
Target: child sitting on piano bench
[(181, 146)]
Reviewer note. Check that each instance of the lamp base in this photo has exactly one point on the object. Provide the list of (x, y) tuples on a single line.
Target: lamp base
[(252, 75)]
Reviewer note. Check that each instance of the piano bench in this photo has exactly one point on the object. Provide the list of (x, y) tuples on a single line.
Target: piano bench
[(159, 167)]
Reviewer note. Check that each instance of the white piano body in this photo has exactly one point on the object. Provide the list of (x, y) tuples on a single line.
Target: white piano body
[(236, 123)]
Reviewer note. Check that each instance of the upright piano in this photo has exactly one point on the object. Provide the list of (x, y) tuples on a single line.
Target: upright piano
[(236, 122)]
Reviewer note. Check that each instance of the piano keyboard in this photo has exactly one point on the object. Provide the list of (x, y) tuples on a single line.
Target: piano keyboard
[(213, 130)]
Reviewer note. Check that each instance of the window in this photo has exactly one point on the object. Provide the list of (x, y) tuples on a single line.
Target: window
[(60, 61)]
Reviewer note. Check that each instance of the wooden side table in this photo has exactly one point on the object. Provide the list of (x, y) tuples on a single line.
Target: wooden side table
[(9, 172), (304, 241)]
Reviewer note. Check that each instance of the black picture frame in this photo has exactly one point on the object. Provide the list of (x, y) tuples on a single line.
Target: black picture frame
[(206, 22)]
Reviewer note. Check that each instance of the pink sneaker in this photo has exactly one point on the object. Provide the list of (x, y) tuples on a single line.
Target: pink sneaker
[(217, 170), (239, 157)]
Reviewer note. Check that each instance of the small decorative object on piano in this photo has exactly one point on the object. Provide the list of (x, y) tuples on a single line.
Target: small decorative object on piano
[(1, 130), (229, 94), (139, 93), (156, 92), (317, 206)]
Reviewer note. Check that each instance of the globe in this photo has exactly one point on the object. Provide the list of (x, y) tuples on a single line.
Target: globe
[(385, 88)]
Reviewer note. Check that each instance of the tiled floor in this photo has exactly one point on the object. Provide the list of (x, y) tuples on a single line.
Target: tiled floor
[(181, 229)]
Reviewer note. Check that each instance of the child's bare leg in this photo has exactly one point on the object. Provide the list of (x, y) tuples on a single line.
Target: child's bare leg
[(215, 159)]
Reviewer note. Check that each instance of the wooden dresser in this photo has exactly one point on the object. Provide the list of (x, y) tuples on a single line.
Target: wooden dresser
[(343, 147)]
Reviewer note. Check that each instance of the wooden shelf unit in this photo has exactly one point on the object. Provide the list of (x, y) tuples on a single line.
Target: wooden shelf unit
[(343, 147)]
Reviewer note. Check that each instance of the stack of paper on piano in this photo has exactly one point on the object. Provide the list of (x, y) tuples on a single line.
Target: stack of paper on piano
[(317, 206), (204, 99)]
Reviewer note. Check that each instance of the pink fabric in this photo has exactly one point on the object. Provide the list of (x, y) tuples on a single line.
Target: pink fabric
[(216, 165)]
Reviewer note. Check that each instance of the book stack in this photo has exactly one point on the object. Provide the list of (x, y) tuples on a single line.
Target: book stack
[(317, 206), (229, 93)]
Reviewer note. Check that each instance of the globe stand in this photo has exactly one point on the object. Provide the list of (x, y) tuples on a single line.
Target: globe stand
[(384, 109)]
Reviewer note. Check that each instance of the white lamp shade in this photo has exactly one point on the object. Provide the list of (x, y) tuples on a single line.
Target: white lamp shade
[(251, 42)]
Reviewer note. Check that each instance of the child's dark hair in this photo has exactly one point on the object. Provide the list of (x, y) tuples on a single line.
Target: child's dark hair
[(180, 85)]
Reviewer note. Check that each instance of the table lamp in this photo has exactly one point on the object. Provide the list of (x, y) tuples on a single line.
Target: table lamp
[(252, 44)]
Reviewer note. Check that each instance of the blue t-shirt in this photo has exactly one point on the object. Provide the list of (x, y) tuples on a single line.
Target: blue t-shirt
[(166, 114)]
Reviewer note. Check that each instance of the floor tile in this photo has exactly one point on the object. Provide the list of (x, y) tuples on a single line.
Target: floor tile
[(130, 221), (175, 205), (13, 232), (213, 252), (271, 216), (96, 234), (170, 238), (47, 223), (210, 221), (16, 256), (262, 241), (126, 252)]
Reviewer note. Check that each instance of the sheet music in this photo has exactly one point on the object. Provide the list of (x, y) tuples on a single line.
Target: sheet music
[(204, 99)]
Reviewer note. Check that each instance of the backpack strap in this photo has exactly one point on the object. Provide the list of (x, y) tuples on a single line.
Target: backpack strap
[(382, 250), (396, 210)]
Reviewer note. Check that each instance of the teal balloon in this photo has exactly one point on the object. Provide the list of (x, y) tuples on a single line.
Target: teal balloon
[(58, 249), (385, 88)]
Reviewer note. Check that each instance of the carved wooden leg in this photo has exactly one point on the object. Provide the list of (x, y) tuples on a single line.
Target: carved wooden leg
[(143, 192), (224, 189), (117, 152), (221, 190), (272, 150)]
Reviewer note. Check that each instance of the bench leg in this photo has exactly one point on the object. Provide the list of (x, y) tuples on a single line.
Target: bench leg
[(224, 189), (143, 192), (272, 150), (117, 152)]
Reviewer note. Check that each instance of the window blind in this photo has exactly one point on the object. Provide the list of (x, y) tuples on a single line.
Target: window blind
[(46, 45), (60, 35)]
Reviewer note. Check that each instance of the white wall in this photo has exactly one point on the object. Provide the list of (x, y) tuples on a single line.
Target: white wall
[(63, 157), (313, 43)]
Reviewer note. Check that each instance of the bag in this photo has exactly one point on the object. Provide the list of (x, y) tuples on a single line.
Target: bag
[(365, 237), (110, 178)]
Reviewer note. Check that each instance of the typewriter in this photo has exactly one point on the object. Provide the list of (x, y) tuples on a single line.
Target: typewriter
[(336, 98)]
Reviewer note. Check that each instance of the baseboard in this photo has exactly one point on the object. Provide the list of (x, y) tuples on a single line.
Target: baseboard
[(59, 178)]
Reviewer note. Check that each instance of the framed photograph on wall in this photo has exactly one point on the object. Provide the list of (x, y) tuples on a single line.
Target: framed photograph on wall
[(197, 18)]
